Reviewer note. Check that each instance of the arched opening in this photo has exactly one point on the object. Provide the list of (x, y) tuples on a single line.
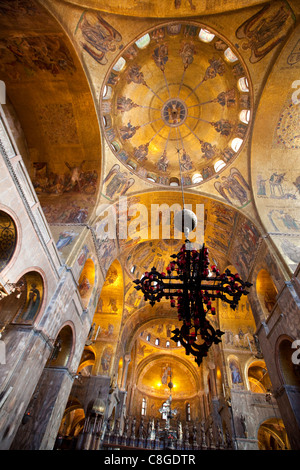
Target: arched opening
[(31, 298), (258, 377), (266, 291), (71, 425), (272, 435), (8, 239), (87, 363), (289, 369), (62, 349)]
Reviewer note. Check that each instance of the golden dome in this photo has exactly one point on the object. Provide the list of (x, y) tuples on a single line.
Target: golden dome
[(176, 103)]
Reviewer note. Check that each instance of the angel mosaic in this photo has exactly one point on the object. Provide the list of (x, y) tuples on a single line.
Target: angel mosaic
[(99, 36), (233, 187), (264, 30), (119, 183)]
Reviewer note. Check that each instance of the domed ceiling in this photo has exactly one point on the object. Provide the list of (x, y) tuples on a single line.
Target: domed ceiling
[(176, 103)]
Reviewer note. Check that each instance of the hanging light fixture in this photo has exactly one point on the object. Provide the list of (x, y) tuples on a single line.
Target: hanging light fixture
[(191, 288)]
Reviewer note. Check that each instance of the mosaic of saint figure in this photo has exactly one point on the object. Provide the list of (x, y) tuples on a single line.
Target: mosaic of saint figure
[(127, 132), (187, 52), (160, 56), (163, 162), (125, 104)]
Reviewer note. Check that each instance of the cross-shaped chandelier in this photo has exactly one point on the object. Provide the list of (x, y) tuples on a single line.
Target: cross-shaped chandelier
[(192, 287)]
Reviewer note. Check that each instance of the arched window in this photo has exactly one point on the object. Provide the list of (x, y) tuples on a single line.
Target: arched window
[(120, 64), (245, 116), (197, 178), (230, 56), (243, 84), (107, 91), (157, 342), (236, 143), (143, 41), (219, 165), (205, 35)]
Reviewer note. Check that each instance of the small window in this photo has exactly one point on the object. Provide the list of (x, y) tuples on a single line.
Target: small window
[(151, 178), (143, 41), (157, 342), (148, 337), (205, 35), (245, 116), (167, 344), (197, 178), (243, 84), (236, 143), (116, 145), (219, 165), (230, 56), (174, 182), (120, 64), (107, 91)]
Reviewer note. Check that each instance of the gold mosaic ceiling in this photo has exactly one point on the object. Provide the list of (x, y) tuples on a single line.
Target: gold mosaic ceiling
[(176, 103)]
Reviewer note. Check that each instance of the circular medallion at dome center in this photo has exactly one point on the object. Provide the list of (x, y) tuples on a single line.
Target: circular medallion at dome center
[(174, 112)]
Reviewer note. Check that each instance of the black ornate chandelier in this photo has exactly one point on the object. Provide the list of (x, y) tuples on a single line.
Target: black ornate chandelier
[(192, 287)]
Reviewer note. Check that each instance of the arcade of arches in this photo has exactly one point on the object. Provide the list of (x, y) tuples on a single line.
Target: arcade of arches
[(111, 109)]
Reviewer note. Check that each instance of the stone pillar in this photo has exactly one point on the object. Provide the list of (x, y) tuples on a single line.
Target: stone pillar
[(125, 371), (45, 411)]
